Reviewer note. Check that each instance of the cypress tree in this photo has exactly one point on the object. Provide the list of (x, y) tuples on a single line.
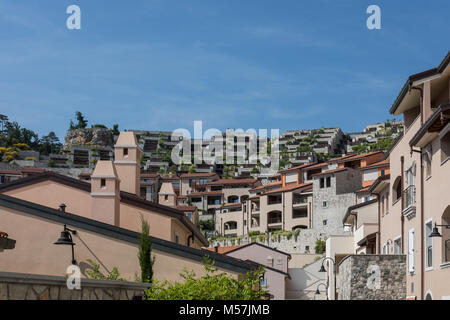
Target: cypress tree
[(145, 252)]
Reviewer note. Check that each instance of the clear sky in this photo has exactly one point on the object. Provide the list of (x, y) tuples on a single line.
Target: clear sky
[(161, 64)]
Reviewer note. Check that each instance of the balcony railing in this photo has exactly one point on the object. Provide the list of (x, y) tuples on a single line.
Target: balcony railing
[(409, 197), (409, 202), (274, 220), (300, 200)]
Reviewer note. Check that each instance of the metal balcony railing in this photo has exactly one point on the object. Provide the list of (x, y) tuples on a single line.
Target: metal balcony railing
[(409, 197), (274, 220), (300, 200)]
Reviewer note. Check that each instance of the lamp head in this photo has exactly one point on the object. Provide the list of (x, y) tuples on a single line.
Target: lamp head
[(65, 238), (435, 232)]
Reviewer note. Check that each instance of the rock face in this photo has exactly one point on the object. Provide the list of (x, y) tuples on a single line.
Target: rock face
[(94, 136)]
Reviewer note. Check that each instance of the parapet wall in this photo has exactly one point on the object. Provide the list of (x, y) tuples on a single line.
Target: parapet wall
[(20, 286)]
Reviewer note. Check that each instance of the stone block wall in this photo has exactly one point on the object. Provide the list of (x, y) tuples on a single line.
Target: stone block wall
[(19, 286), (372, 277)]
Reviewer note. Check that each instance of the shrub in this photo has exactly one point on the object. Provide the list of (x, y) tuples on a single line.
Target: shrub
[(320, 246), (95, 272), (211, 286)]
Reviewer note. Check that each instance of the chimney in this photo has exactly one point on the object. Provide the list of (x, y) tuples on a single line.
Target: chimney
[(105, 193), (166, 195), (127, 160)]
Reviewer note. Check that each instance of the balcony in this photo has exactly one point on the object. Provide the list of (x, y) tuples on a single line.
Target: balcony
[(409, 202)]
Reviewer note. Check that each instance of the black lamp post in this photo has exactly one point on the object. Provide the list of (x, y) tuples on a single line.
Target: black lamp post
[(435, 233), (326, 289), (322, 269), (66, 239)]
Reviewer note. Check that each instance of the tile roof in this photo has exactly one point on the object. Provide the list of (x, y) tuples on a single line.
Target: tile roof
[(288, 188), (330, 171), (186, 208), (223, 250), (232, 181), (355, 157), (197, 175), (382, 163)]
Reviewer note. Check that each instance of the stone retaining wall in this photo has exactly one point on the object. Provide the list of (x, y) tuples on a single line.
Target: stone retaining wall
[(20, 286), (372, 277)]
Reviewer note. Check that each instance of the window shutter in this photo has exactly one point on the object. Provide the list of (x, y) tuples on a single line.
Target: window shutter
[(411, 251)]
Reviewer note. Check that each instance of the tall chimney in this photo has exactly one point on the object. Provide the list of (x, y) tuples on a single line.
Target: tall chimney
[(127, 160), (105, 193)]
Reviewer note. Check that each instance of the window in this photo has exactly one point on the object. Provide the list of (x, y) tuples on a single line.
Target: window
[(177, 238), (328, 182), (166, 197), (397, 190), (426, 160), (382, 172), (102, 183), (322, 183), (428, 245), (125, 152), (189, 216), (445, 143), (398, 246), (324, 204), (324, 222)]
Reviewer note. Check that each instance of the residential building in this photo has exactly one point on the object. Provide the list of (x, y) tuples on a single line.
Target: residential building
[(419, 179)]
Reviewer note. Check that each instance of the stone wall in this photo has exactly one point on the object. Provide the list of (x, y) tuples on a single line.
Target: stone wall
[(372, 277), (305, 242), (20, 286)]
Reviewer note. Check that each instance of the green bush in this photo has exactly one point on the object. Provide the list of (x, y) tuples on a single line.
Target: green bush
[(211, 286), (320, 246)]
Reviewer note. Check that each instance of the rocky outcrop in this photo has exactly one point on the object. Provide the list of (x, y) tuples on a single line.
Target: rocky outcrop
[(94, 136)]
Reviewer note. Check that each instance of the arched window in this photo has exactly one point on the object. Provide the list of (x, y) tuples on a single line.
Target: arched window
[(445, 232), (274, 217), (397, 189)]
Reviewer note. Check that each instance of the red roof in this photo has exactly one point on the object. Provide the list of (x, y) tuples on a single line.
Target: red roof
[(186, 208), (11, 172), (330, 171), (150, 175), (232, 181), (198, 175), (223, 250), (383, 163), (288, 188), (354, 157), (210, 193)]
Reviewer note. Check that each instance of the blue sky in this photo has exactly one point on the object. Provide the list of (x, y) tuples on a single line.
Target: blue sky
[(161, 64)]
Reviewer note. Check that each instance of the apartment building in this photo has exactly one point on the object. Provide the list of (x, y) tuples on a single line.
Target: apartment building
[(418, 202), (280, 205)]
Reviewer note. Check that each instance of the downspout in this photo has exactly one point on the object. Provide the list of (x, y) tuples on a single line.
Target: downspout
[(402, 161), (422, 257), (422, 270), (379, 226)]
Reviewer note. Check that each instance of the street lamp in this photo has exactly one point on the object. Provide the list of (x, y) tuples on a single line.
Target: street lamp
[(322, 269), (435, 233), (66, 239), (326, 289)]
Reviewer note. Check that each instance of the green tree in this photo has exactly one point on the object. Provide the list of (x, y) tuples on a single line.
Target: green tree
[(115, 129), (49, 144), (211, 286), (145, 252)]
